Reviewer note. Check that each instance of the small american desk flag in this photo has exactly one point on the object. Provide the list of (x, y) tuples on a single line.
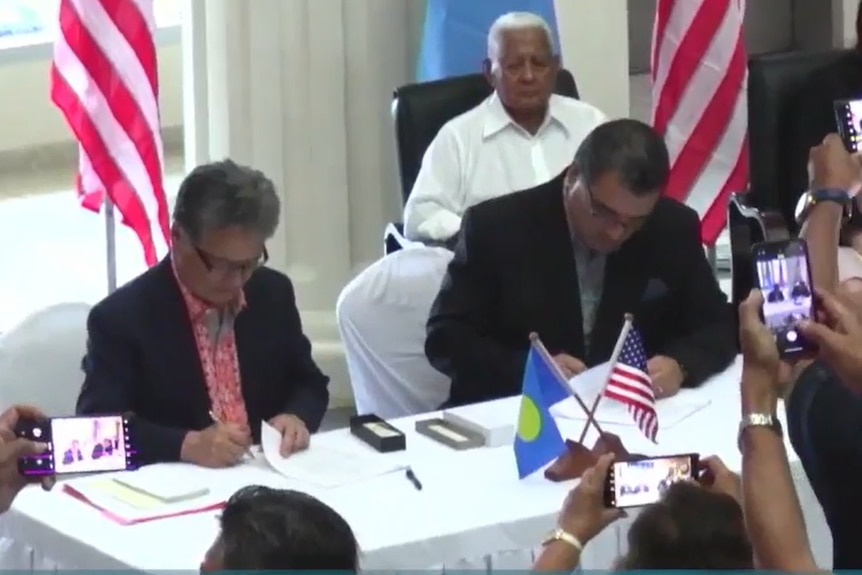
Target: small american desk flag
[(630, 385)]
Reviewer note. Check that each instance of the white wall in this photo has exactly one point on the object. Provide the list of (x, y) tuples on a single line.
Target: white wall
[(28, 117), (844, 22)]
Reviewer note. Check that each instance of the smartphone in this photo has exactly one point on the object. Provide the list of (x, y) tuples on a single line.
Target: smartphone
[(643, 481), (78, 444), (784, 277), (848, 118)]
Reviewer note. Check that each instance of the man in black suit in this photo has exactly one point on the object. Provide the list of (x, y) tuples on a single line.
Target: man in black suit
[(567, 260), (208, 343)]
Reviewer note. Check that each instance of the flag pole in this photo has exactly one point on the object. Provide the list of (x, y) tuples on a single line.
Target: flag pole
[(561, 378), (110, 244), (618, 349)]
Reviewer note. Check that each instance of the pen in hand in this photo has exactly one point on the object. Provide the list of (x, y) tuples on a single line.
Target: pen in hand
[(217, 421), (411, 477)]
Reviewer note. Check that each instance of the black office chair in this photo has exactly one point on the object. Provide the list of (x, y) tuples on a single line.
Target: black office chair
[(420, 110), (767, 209)]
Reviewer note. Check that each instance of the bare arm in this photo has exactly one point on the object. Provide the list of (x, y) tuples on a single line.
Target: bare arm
[(773, 514), (557, 557), (821, 231)]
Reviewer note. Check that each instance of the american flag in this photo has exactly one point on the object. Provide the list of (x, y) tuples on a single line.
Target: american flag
[(630, 384), (104, 79), (699, 84)]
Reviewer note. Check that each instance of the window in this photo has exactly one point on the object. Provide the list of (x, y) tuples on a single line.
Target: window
[(24, 22)]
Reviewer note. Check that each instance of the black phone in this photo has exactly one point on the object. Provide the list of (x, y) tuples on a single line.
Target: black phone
[(848, 119), (640, 482), (78, 444), (784, 277)]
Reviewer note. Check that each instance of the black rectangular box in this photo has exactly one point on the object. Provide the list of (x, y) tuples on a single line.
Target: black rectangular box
[(378, 433)]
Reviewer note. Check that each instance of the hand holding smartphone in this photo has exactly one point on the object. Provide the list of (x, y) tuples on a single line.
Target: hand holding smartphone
[(848, 120), (784, 277), (643, 481), (77, 444)]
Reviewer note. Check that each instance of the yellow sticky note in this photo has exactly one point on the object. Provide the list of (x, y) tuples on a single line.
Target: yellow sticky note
[(126, 495)]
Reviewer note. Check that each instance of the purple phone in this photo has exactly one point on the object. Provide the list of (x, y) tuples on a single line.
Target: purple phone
[(78, 444)]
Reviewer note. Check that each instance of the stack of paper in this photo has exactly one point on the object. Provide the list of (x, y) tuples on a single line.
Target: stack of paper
[(148, 494), (590, 384), (322, 465)]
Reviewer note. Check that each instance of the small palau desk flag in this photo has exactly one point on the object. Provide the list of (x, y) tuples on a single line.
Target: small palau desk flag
[(455, 33), (538, 440)]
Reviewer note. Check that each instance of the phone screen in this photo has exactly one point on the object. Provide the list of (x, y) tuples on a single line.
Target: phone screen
[(644, 481), (784, 278), (848, 116), (78, 445)]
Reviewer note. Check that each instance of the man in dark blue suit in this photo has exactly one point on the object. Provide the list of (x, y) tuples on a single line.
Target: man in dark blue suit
[(207, 344)]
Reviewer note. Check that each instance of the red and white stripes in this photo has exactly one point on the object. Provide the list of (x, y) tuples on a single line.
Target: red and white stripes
[(104, 79), (699, 76)]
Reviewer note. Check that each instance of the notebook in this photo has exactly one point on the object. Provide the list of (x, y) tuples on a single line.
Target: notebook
[(163, 486)]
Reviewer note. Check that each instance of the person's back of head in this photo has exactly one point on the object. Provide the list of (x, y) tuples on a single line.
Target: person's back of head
[(279, 529), (690, 528)]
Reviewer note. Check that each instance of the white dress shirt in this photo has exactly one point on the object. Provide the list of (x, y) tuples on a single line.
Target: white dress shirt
[(483, 154)]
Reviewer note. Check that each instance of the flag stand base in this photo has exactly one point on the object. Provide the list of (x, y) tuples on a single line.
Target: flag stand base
[(578, 458)]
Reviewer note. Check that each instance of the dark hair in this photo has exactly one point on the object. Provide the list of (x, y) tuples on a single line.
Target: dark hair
[(224, 194), (280, 529), (690, 528), (629, 148)]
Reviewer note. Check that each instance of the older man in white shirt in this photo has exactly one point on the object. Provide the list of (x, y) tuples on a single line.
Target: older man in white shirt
[(521, 136)]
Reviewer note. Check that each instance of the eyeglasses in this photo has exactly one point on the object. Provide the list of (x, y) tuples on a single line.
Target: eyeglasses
[(611, 217), (221, 266)]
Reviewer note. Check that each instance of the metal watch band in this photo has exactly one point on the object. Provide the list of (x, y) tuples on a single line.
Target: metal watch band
[(767, 420), (566, 537)]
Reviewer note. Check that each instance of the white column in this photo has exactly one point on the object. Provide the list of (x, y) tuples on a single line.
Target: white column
[(195, 93), (844, 23), (594, 41)]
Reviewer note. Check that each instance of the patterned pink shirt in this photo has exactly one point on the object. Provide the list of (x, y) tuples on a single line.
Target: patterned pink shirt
[(216, 344)]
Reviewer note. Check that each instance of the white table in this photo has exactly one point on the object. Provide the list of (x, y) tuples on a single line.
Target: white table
[(472, 512)]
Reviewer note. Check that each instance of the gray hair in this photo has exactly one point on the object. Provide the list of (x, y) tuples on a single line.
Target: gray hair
[(224, 194), (514, 21)]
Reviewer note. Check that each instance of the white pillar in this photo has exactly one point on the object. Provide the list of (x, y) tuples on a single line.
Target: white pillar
[(844, 23), (594, 41), (194, 82)]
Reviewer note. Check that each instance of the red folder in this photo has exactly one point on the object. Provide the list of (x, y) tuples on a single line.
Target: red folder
[(68, 489)]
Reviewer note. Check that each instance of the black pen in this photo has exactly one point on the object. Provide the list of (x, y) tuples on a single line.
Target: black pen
[(411, 477)]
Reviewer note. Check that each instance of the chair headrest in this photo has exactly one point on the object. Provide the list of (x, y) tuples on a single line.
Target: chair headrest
[(420, 110)]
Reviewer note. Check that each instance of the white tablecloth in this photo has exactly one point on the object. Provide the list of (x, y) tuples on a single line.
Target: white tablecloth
[(473, 511)]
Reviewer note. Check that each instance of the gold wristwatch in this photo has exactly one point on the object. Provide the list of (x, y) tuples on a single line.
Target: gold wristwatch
[(565, 536)]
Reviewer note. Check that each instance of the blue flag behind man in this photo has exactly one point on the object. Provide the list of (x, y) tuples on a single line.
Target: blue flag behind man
[(455, 34), (538, 440)]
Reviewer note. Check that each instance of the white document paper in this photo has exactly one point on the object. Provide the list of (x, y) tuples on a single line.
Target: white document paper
[(322, 465), (590, 384)]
